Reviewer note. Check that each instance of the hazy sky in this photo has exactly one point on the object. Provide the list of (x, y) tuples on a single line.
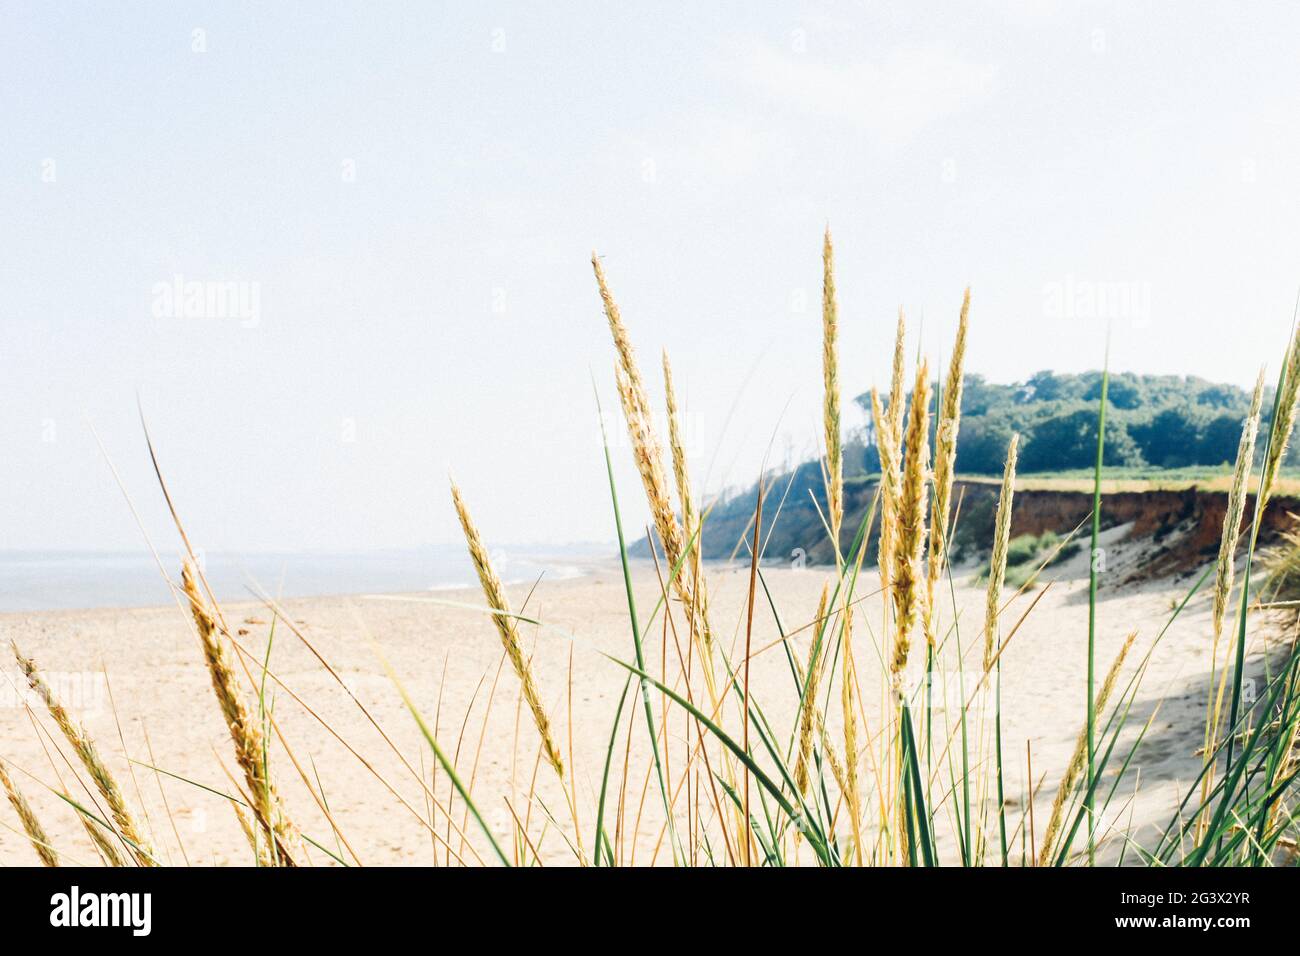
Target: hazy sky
[(407, 197)]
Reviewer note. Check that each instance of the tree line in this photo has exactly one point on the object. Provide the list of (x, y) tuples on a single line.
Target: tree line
[(1152, 421), (1158, 421)]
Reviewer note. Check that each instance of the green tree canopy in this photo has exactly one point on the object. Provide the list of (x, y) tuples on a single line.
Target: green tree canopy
[(1163, 421)]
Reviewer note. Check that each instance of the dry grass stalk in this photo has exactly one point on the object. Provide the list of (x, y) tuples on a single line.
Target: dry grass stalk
[(85, 749), (897, 382), (910, 518), (1225, 570), (828, 751), (245, 731), (496, 599), (945, 461), (811, 718), (258, 847), (678, 447), (831, 398), (31, 826), (103, 840), (891, 491), (848, 683), (648, 456), (649, 464), (1286, 413), (622, 342), (1236, 510), (808, 709), (888, 424), (691, 527), (998, 561), (1080, 756)]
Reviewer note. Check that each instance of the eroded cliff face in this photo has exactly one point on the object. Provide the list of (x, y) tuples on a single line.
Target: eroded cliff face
[(1179, 529), (1183, 527)]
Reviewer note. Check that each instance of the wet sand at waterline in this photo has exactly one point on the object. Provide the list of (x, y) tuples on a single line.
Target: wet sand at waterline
[(450, 661)]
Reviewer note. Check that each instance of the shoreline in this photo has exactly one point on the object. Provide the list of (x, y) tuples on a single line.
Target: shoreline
[(449, 659), (576, 571), (230, 577)]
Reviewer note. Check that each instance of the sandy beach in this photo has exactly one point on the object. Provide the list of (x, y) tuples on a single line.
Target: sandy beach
[(137, 680)]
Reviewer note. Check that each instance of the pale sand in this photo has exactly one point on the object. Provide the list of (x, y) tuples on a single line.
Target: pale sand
[(159, 684)]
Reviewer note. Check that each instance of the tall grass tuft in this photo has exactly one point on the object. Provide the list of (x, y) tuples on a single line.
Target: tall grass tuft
[(84, 747), (910, 517), (898, 381), (245, 730), (1284, 418), (998, 560), (810, 678), (831, 393), (681, 473), (505, 624), (648, 455), (945, 467), (891, 494), (1225, 568), (27, 816)]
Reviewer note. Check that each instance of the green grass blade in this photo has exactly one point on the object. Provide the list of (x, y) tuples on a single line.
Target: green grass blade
[(1092, 600), (604, 780), (442, 759)]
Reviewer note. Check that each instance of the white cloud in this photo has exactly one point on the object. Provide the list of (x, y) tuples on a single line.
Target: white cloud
[(892, 98)]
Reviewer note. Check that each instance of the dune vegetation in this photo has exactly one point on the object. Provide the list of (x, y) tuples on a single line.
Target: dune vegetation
[(826, 783)]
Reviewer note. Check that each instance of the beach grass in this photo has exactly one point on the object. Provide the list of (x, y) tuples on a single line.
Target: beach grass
[(732, 779)]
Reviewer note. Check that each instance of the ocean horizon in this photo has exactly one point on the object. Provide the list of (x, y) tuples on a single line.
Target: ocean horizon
[(65, 580)]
